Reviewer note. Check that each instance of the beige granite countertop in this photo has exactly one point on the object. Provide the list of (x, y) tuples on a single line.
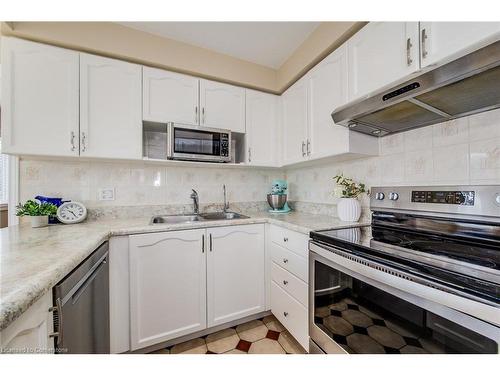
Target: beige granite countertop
[(32, 261)]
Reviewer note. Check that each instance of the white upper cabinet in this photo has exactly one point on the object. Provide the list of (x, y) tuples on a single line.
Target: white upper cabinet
[(445, 41), (235, 276), (222, 106), (380, 54), (39, 99), (294, 126), (169, 97), (309, 132), (110, 108), (167, 286), (262, 128), (327, 91)]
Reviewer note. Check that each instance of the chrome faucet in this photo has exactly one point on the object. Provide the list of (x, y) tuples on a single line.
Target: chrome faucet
[(196, 202), (226, 203)]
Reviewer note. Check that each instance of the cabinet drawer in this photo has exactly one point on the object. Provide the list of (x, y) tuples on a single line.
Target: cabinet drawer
[(297, 242), (292, 284), (290, 313), (289, 261)]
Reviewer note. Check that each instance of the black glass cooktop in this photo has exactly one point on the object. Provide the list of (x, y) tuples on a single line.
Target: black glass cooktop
[(408, 249), (471, 252)]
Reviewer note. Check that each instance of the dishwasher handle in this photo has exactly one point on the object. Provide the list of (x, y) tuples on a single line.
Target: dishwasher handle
[(88, 278), (57, 310)]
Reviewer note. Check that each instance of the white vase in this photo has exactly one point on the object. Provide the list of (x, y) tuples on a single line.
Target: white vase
[(349, 209), (39, 221)]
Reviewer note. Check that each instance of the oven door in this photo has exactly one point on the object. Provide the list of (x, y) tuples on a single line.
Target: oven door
[(186, 142), (352, 313)]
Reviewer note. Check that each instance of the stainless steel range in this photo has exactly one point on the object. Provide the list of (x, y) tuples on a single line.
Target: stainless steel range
[(424, 277)]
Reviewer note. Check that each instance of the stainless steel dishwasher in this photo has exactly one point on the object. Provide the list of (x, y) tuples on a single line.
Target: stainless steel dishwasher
[(81, 311)]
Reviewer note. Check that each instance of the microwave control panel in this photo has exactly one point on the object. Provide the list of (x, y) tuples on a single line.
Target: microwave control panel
[(224, 144)]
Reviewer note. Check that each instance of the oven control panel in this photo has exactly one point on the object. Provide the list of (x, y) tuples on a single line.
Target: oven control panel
[(463, 198)]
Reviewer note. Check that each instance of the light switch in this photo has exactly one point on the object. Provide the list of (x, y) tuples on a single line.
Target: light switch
[(106, 194)]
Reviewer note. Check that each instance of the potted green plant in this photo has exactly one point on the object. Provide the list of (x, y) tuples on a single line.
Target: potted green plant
[(348, 191), (38, 212)]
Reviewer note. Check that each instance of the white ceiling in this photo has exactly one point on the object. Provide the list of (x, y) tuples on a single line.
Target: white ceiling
[(264, 43)]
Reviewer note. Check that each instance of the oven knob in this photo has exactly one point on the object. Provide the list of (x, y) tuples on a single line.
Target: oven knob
[(393, 196), (380, 196)]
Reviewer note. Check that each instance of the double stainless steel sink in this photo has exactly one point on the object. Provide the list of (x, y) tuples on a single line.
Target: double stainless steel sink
[(209, 216)]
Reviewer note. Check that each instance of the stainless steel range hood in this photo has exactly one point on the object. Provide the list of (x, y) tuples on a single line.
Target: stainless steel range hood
[(468, 85)]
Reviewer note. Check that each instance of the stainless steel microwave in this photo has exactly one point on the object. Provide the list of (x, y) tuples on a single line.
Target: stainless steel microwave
[(188, 142)]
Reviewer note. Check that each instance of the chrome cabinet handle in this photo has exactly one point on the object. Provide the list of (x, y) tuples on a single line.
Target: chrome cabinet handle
[(285, 282), (303, 149), (84, 142), (203, 115), (195, 114), (58, 334), (409, 60), (72, 140), (424, 38), (210, 242), (285, 314), (249, 154), (308, 147), (202, 243), (285, 239), (285, 260)]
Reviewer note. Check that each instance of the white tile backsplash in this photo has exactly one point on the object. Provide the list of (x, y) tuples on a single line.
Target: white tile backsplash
[(462, 151), (451, 132), (485, 160), (141, 184), (484, 125), (451, 164)]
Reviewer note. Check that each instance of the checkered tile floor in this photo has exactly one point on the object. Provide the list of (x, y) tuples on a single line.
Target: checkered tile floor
[(359, 330), (262, 336)]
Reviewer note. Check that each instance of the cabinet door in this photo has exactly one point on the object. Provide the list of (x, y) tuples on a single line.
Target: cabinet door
[(380, 54), (262, 128), (110, 108), (445, 41), (169, 97), (235, 276), (222, 106), (327, 91), (39, 99), (294, 103), (167, 286), (29, 333)]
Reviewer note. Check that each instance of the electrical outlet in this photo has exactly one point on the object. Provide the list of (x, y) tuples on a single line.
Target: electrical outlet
[(106, 194)]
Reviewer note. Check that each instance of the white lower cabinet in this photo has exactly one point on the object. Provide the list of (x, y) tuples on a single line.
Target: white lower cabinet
[(182, 282), (235, 273), (292, 314), (30, 332), (289, 281), (167, 286)]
